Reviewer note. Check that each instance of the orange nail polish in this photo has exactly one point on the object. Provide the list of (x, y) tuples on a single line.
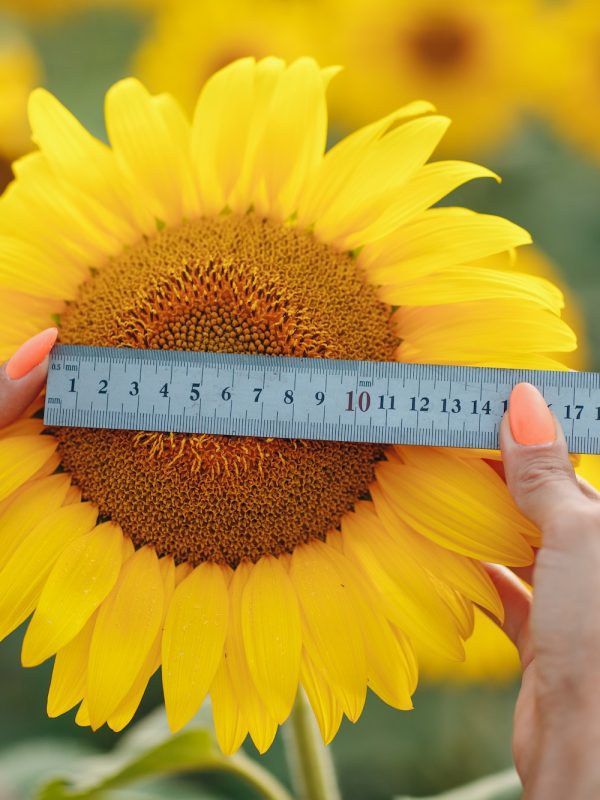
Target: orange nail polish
[(531, 421), (30, 354)]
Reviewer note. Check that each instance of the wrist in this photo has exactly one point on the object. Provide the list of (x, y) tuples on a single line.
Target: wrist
[(565, 764)]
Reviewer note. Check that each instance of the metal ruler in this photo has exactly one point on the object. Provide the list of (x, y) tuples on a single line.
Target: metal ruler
[(306, 398)]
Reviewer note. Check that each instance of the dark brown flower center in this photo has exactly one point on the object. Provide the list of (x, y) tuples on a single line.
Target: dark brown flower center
[(440, 44), (228, 284)]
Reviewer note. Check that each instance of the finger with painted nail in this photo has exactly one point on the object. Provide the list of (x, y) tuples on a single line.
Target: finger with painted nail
[(538, 471), (23, 376)]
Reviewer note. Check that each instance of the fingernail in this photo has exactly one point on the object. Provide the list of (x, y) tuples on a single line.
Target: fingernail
[(531, 421), (30, 354)]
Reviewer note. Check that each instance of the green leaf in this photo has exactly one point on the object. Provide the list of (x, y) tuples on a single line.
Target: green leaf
[(187, 751), (501, 786), (149, 751)]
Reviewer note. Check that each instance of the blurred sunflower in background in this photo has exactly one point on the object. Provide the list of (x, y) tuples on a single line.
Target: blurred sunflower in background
[(568, 96), (243, 566), (19, 74), (467, 57)]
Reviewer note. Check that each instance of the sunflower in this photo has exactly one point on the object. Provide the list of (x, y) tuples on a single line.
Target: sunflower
[(246, 566), (469, 57), (19, 73), (569, 36)]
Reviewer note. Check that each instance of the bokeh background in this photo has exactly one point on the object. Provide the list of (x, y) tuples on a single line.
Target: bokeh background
[(521, 81)]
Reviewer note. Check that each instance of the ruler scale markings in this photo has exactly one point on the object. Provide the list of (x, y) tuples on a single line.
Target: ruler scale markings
[(459, 392)]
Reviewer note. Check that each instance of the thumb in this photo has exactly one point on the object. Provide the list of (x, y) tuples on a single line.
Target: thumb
[(536, 460)]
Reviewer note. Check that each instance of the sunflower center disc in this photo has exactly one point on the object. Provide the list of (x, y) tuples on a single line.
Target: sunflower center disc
[(225, 284), (442, 44)]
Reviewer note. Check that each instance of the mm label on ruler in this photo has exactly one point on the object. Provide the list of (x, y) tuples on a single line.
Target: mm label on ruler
[(305, 398)]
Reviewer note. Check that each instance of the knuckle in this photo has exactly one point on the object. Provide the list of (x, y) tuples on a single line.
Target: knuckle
[(542, 473)]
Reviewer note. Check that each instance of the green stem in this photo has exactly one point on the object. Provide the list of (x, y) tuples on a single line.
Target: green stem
[(310, 762), (248, 770)]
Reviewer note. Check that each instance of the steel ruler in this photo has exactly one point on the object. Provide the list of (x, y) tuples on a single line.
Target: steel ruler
[(306, 398)]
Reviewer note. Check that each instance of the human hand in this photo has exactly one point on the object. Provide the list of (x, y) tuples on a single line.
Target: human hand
[(557, 631), (23, 376)]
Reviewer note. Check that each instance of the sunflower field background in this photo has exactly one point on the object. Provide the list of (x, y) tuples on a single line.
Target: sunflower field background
[(521, 81)]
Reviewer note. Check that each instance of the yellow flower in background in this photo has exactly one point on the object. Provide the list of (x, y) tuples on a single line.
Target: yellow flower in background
[(246, 566), (569, 93), (468, 57), (19, 73), (189, 41)]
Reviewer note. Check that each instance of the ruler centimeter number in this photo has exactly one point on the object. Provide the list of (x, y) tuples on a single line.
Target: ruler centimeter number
[(266, 396)]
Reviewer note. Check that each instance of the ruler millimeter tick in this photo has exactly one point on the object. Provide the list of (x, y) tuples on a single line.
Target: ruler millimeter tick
[(306, 398)]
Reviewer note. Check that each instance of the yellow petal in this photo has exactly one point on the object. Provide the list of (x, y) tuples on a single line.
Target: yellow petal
[(407, 596), (151, 142), (484, 480), (362, 205), (35, 500), (193, 641), (220, 129), (49, 468), (22, 427), (126, 709), (57, 228), (69, 674), (261, 725), (81, 578), (474, 332), (330, 631), (74, 495), (72, 224), (23, 576), (26, 268), (427, 186), (461, 607), (443, 238), (82, 718), (336, 169), (294, 137), (390, 674), (466, 576), (20, 458), (229, 725), (127, 625), (83, 162), (325, 706), (451, 506), (272, 635), (463, 284)]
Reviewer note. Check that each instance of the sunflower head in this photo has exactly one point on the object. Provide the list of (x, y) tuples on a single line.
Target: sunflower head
[(243, 567)]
